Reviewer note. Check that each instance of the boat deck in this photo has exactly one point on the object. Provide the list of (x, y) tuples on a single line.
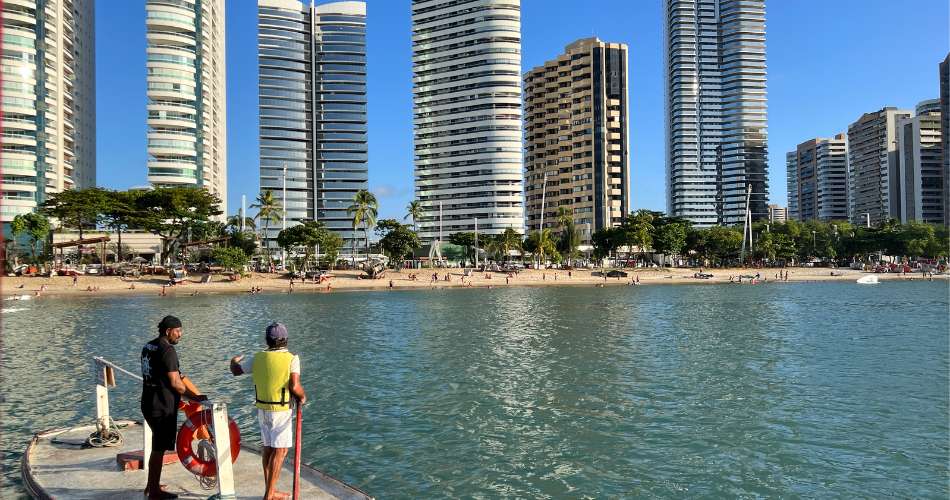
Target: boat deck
[(57, 465)]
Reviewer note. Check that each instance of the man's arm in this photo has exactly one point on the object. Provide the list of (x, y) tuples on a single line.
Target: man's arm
[(179, 386), (296, 389)]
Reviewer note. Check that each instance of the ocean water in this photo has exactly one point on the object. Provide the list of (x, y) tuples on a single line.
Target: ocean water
[(775, 390)]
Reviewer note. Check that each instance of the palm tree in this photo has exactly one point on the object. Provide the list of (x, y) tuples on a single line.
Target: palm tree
[(364, 211), (267, 211), (508, 241), (234, 221), (570, 239), (414, 210)]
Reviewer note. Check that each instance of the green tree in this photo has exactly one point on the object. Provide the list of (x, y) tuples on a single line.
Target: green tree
[(569, 237), (669, 236), (308, 235), (120, 213), (508, 241), (638, 229), (170, 212), (76, 208), (396, 240), (606, 241), (541, 243), (414, 211), (234, 223), (35, 226), (467, 242), (723, 243), (363, 210), (268, 211), (233, 259)]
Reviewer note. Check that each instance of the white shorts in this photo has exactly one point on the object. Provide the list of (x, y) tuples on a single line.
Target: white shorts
[(276, 428)]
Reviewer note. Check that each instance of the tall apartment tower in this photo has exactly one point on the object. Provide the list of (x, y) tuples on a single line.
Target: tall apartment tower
[(312, 63), (921, 165), (716, 130), (187, 121), (818, 179), (874, 166), (945, 134), (467, 116), (49, 102), (576, 137)]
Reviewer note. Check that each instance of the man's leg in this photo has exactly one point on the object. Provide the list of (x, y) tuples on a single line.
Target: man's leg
[(153, 487), (265, 460), (275, 463)]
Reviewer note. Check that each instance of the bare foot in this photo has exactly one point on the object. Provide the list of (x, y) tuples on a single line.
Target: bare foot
[(280, 495)]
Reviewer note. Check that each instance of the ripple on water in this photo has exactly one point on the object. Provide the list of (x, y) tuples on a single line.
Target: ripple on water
[(810, 390)]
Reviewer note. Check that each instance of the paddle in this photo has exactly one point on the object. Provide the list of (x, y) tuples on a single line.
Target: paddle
[(297, 441)]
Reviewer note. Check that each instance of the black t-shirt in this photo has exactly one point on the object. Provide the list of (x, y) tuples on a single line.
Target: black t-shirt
[(158, 397)]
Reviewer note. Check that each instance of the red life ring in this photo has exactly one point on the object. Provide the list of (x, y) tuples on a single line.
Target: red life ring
[(187, 454)]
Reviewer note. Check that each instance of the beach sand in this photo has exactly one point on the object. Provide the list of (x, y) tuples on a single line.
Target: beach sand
[(62, 286)]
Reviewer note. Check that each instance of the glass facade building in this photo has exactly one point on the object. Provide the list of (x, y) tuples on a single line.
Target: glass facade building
[(716, 110), (312, 68), (466, 63), (49, 102), (187, 122)]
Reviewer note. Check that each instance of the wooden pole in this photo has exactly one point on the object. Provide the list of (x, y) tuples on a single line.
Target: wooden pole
[(297, 440)]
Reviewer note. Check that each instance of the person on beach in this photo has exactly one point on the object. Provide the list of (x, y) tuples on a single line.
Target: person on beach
[(276, 375), (162, 389)]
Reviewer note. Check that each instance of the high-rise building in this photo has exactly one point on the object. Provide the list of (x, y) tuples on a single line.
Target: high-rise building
[(945, 134), (716, 130), (312, 63), (778, 213), (576, 137), (873, 166), (49, 101), (921, 165), (467, 116), (187, 122), (818, 179)]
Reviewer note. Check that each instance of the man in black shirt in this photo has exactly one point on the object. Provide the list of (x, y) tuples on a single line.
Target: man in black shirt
[(162, 389)]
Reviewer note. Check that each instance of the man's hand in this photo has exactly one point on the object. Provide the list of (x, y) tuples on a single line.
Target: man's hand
[(302, 400), (236, 365)]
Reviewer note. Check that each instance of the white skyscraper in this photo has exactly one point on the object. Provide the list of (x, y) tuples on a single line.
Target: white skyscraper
[(716, 110), (187, 122), (49, 101), (467, 115)]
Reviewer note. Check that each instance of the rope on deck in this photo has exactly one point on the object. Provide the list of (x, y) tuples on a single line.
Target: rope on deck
[(105, 435)]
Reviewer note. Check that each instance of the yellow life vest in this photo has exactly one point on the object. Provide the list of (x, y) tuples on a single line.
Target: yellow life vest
[(271, 373)]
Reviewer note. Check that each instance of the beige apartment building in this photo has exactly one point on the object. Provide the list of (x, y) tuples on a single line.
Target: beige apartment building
[(576, 141), (49, 102)]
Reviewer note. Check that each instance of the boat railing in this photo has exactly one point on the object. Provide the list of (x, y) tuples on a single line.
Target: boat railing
[(105, 379)]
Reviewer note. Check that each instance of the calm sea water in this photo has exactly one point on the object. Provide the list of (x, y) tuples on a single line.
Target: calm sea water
[(790, 390)]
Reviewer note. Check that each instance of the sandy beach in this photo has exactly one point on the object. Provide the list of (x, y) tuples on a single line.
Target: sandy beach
[(62, 286)]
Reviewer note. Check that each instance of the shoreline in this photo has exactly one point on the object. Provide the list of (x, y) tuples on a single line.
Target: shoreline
[(348, 281)]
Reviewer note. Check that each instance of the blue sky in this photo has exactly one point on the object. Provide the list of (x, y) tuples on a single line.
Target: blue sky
[(829, 61)]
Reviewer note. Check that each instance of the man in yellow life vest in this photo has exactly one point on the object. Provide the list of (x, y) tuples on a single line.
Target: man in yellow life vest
[(276, 375)]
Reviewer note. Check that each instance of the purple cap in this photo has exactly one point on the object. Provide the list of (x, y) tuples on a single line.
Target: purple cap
[(277, 331)]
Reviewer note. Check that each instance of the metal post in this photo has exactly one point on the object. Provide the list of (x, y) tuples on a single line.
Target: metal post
[(544, 189), (222, 448), (243, 216), (283, 256), (102, 397), (476, 242), (868, 216)]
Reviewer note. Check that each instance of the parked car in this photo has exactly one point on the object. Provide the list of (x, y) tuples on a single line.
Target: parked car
[(94, 269)]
